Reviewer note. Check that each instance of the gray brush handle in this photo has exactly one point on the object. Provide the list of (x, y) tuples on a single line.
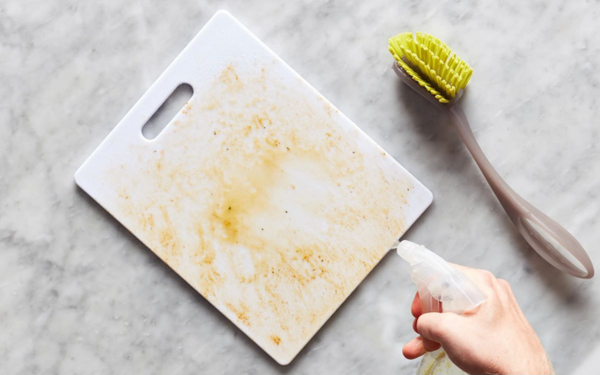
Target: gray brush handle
[(553, 242), (548, 238)]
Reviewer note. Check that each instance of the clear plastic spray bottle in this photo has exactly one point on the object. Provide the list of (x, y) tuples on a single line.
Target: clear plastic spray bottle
[(439, 282)]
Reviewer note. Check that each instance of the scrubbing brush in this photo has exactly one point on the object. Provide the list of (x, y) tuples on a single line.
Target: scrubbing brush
[(430, 67)]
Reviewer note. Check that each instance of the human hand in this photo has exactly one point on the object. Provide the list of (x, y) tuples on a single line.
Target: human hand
[(493, 338)]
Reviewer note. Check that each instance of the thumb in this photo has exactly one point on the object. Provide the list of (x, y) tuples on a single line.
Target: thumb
[(437, 327)]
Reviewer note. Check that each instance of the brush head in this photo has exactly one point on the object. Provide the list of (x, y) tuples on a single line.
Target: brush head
[(431, 63)]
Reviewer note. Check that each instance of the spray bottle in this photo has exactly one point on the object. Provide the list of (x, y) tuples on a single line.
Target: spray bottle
[(438, 282)]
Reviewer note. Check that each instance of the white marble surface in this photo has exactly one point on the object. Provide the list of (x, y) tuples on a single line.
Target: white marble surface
[(80, 295)]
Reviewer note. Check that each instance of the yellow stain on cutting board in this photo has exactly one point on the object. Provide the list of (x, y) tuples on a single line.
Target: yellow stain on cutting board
[(265, 204)]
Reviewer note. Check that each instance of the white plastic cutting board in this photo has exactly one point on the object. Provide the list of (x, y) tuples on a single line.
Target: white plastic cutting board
[(259, 193)]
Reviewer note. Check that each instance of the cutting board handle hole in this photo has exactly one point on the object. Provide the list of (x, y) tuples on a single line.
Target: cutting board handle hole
[(167, 111)]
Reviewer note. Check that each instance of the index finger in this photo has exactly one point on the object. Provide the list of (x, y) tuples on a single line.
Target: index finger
[(415, 308)]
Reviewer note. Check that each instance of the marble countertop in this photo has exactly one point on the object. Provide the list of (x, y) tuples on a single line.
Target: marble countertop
[(80, 295)]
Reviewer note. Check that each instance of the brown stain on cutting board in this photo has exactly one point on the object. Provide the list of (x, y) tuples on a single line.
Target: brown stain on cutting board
[(265, 204), (276, 339), (241, 313)]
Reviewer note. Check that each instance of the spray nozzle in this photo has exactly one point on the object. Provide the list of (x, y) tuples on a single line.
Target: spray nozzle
[(437, 281)]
